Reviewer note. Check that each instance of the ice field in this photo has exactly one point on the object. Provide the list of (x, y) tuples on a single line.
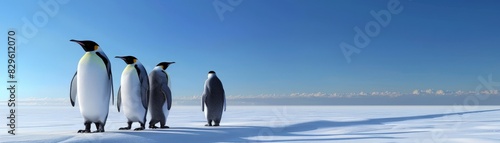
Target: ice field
[(414, 124)]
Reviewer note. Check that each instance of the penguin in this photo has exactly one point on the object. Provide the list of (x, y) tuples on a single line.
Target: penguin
[(213, 100), (92, 86), (160, 96), (133, 98)]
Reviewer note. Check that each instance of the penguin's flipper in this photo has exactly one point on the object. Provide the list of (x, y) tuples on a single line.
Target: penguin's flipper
[(72, 92), (119, 98), (224, 95), (202, 102), (145, 93), (112, 89), (169, 98), (168, 95), (105, 60), (143, 77), (203, 96)]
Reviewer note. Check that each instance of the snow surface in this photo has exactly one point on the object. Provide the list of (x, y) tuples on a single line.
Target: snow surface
[(272, 124)]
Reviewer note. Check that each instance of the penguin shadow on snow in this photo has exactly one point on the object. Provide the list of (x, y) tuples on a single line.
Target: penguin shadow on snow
[(264, 133)]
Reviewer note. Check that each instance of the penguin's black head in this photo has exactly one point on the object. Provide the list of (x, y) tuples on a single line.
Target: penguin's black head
[(87, 45), (128, 59), (211, 72), (164, 65)]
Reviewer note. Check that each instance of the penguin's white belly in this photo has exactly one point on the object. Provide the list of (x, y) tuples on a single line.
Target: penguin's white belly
[(93, 88), (206, 110), (131, 95)]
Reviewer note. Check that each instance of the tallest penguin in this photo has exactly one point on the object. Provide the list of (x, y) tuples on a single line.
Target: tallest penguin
[(92, 85)]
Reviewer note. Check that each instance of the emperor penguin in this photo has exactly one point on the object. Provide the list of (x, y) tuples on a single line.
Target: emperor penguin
[(92, 86), (213, 100), (133, 94), (160, 96)]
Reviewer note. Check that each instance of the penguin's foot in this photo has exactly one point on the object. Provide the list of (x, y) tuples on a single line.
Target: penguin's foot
[(216, 125), (98, 131), (164, 127), (87, 128), (83, 131), (139, 129), (153, 127), (208, 125), (124, 128)]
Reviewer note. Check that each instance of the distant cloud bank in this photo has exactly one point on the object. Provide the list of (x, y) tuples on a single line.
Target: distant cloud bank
[(417, 97)]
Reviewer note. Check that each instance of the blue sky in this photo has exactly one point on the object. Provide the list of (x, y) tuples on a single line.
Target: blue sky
[(263, 46)]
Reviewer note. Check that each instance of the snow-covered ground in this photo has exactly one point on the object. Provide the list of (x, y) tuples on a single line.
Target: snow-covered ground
[(271, 124)]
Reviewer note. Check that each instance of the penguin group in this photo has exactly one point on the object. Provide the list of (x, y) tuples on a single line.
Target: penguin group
[(139, 93)]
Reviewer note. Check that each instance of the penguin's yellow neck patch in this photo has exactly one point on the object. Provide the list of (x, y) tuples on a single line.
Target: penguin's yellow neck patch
[(96, 47), (91, 57), (129, 68), (135, 60), (87, 55)]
